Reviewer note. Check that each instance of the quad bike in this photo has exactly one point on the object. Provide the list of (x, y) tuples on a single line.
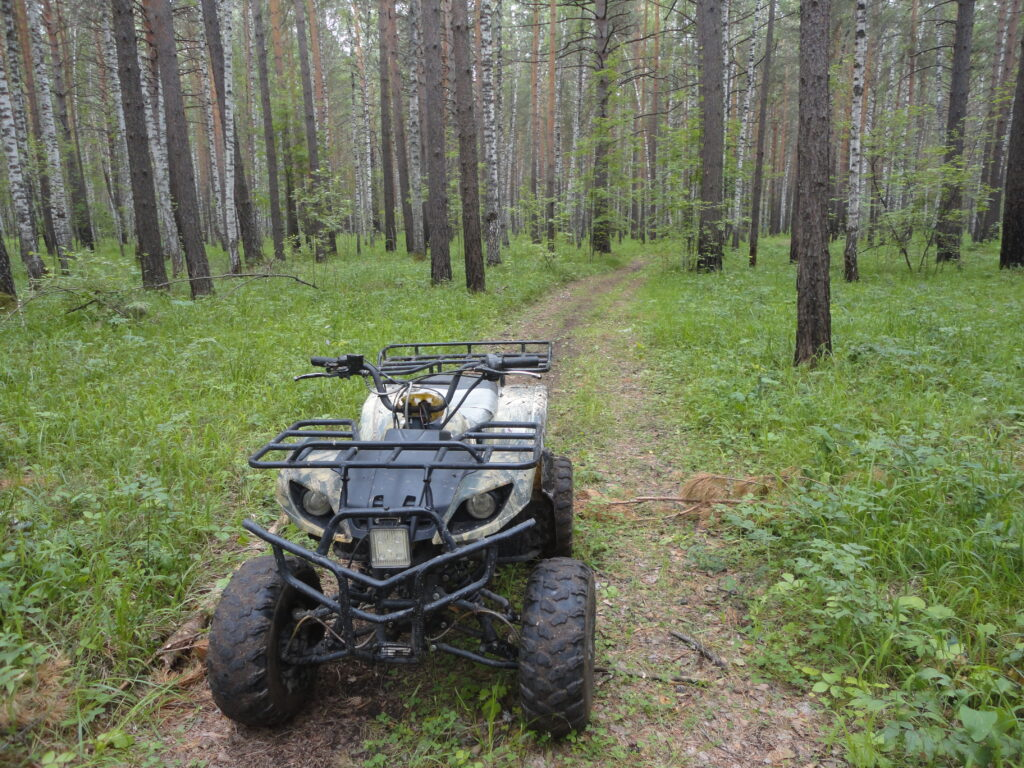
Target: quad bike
[(444, 479)]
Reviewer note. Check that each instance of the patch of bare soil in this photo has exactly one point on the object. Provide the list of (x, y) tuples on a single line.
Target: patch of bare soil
[(661, 699)]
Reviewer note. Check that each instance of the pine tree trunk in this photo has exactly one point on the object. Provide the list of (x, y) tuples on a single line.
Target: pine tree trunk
[(398, 123), (437, 200), (54, 174), (850, 272), (313, 224), (487, 96), (16, 183), (711, 236), (762, 130), (814, 319), (600, 233), (269, 135), (468, 167), (133, 107), (277, 38), (8, 293), (1011, 252), (182, 174), (549, 139), (950, 222)]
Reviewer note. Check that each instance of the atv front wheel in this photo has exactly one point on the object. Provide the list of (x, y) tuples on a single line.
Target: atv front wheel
[(556, 655), (253, 623)]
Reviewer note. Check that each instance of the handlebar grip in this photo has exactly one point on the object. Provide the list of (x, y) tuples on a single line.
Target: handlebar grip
[(509, 362), (322, 362)]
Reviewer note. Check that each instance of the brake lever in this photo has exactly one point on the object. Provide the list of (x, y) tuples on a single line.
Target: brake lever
[(317, 375)]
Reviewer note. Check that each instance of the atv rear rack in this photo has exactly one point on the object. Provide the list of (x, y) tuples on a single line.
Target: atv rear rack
[(438, 357), (474, 450)]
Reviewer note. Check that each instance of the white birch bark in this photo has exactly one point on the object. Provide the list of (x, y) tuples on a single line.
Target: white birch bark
[(491, 215), (58, 197), (216, 162), (120, 163), (854, 184), (743, 140), (414, 135), (16, 182), (161, 173), (228, 131)]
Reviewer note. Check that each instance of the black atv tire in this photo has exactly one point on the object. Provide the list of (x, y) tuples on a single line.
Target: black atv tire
[(249, 681), (556, 653), (560, 542)]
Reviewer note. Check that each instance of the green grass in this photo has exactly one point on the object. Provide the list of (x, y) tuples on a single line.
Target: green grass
[(124, 428), (898, 548)]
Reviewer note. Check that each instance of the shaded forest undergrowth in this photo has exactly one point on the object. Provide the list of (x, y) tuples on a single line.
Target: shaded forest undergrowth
[(884, 576)]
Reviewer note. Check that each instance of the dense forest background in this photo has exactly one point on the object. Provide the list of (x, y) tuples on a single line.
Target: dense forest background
[(173, 125)]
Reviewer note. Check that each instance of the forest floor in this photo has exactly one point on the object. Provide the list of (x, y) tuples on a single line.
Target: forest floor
[(659, 702)]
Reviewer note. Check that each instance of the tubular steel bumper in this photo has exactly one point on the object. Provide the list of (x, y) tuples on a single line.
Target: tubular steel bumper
[(374, 602)]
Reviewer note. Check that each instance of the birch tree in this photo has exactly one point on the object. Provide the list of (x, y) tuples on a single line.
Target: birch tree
[(16, 182), (416, 98), (314, 183), (492, 223), (269, 135), (54, 174), (744, 135), (853, 190), (147, 231)]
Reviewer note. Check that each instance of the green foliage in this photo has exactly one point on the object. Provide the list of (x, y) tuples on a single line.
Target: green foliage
[(898, 545), (123, 438)]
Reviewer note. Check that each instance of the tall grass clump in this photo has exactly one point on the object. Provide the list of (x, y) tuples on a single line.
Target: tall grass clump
[(125, 422), (897, 549)]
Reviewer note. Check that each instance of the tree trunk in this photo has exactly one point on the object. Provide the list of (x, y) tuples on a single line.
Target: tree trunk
[(814, 319), (1011, 253), (762, 130), (369, 205), (536, 147), (183, 184), (79, 199), (386, 140), (850, 272), (600, 233), (114, 127), (16, 183), (269, 135), (437, 200), (313, 184), (416, 89), (147, 231), (490, 119), (743, 140), (951, 216), (8, 294), (58, 197), (711, 236), (468, 169), (652, 130), (398, 124), (550, 136), (277, 39)]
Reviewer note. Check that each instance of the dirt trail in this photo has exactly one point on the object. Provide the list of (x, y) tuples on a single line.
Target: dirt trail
[(659, 702)]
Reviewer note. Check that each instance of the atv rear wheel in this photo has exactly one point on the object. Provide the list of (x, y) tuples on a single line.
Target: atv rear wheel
[(253, 623), (556, 655), (560, 490)]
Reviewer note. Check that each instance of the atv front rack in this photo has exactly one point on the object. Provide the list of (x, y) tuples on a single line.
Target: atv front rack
[(474, 450), (438, 357), (379, 605)]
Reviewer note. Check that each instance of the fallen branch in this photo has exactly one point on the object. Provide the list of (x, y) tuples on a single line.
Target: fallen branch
[(681, 500), (673, 515), (700, 648), (241, 274)]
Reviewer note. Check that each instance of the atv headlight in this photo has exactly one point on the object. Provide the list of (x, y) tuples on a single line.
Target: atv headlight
[(315, 503), (482, 506)]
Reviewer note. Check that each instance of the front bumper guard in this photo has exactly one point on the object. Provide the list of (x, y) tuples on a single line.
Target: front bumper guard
[(358, 591)]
